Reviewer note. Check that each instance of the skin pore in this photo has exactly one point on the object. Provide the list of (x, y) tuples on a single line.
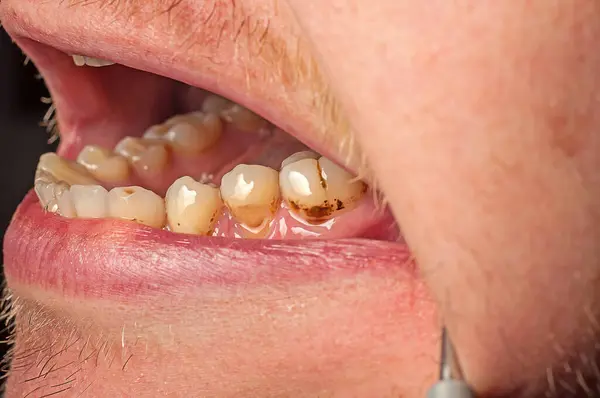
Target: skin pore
[(477, 121)]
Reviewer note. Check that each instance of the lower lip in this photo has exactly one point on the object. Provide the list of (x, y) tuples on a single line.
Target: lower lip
[(115, 259)]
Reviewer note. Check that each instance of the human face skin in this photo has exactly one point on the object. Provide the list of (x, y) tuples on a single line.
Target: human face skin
[(475, 120)]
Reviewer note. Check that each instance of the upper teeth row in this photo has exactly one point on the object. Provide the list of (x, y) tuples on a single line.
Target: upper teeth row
[(81, 60), (312, 186)]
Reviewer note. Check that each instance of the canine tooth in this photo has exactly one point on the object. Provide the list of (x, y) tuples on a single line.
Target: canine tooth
[(251, 192), (137, 204), (299, 156), (103, 164), (195, 133), (192, 207), (89, 201), (145, 155), (45, 193), (243, 119), (64, 170), (215, 104), (318, 188)]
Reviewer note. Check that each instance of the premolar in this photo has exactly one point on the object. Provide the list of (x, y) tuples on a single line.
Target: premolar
[(136, 204), (317, 189), (147, 156), (251, 192), (103, 164), (192, 207)]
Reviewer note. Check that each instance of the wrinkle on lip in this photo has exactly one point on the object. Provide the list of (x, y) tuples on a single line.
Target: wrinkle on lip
[(114, 259)]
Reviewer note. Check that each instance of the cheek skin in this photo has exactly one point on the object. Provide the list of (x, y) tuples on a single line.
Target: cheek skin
[(479, 122), (336, 338)]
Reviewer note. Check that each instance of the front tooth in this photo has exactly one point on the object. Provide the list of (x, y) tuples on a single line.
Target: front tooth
[(64, 201), (251, 192), (63, 170), (243, 119), (103, 164), (89, 201), (194, 133), (137, 204), (79, 60), (299, 156), (318, 188), (145, 155), (192, 207)]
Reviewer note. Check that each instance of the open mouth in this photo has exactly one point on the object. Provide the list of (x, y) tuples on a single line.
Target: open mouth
[(173, 164)]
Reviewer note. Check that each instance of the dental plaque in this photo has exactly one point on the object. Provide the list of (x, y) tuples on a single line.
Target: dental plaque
[(213, 168)]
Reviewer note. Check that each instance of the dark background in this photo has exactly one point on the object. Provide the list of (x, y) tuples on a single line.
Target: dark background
[(22, 139)]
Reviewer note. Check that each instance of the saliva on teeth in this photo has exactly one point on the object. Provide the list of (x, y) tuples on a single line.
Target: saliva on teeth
[(307, 184)]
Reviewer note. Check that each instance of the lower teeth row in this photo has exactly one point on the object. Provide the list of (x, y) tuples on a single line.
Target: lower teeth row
[(309, 185)]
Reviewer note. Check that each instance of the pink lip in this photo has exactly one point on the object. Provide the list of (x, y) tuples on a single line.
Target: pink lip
[(115, 259)]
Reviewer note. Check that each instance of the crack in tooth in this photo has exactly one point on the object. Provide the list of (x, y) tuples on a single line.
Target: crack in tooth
[(82, 60), (251, 193), (192, 207)]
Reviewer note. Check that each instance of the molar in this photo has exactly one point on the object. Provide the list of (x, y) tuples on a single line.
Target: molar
[(244, 119), (103, 164), (89, 201), (192, 207), (193, 133), (317, 189), (136, 204), (251, 192)]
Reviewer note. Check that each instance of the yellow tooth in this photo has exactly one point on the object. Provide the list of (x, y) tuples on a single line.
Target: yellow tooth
[(137, 204), (64, 201), (299, 156), (145, 155), (244, 119), (89, 201), (194, 133), (215, 104), (156, 132), (192, 207), (103, 164), (317, 189), (81, 60), (64, 170), (251, 192)]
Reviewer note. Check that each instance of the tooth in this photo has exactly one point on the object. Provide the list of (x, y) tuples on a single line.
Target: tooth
[(251, 192), (243, 119), (145, 155), (64, 170), (81, 60), (192, 207), (299, 156), (103, 164), (64, 201), (215, 104), (318, 188), (89, 201), (156, 132), (195, 133), (137, 204), (45, 193), (343, 189)]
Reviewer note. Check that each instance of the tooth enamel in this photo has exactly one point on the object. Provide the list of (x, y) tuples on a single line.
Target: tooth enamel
[(145, 155), (63, 170), (343, 189), (89, 201), (64, 201), (251, 192), (317, 189), (192, 207), (215, 104), (81, 60), (299, 156), (46, 194), (156, 132), (243, 119), (137, 204), (195, 133), (103, 164)]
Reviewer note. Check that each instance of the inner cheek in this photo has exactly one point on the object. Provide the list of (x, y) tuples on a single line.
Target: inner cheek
[(273, 345)]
